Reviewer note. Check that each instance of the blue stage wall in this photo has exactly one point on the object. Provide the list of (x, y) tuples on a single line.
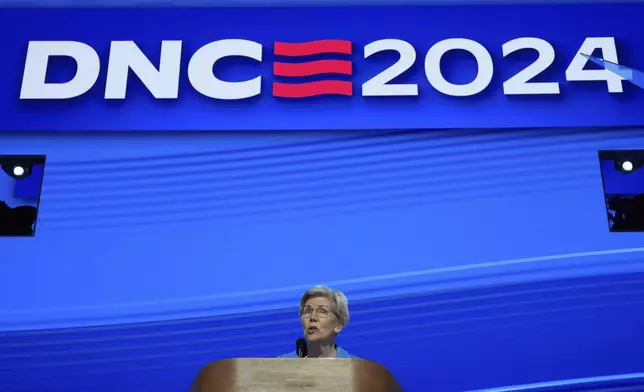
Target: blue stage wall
[(200, 227)]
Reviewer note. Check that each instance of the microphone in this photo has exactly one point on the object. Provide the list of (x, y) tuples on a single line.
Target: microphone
[(301, 348)]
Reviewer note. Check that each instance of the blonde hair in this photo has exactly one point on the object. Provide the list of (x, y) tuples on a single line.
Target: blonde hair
[(339, 302)]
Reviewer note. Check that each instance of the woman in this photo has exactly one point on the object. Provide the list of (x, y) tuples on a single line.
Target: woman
[(324, 313)]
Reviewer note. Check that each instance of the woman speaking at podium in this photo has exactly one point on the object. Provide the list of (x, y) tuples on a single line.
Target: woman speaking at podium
[(324, 312)]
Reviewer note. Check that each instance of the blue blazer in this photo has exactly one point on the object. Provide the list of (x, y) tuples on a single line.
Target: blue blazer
[(340, 351)]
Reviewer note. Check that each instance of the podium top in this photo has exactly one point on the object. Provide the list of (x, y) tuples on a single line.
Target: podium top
[(303, 374)]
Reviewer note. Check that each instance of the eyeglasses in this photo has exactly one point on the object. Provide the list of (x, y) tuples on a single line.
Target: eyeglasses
[(322, 312)]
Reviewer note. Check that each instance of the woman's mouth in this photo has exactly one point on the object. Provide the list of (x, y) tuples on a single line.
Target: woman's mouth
[(311, 330)]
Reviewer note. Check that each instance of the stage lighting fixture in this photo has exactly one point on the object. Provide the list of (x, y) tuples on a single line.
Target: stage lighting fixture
[(628, 166), (625, 161), (17, 170)]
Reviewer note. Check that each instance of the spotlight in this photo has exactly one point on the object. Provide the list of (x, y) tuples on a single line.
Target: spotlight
[(20, 167), (625, 161), (627, 166), (18, 171)]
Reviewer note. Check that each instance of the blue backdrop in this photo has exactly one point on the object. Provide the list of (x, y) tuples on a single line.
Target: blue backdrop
[(578, 104), (472, 258)]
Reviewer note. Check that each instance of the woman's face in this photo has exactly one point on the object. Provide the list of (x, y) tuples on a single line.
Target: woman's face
[(319, 322)]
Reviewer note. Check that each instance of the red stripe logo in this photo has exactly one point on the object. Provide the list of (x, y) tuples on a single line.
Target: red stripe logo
[(312, 68)]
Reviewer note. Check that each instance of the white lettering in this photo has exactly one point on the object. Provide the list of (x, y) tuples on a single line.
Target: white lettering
[(202, 78), (126, 55), (521, 83), (379, 85), (163, 81), (34, 85), (576, 72), (435, 75)]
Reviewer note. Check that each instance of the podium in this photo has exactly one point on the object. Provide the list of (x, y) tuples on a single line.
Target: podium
[(295, 375)]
